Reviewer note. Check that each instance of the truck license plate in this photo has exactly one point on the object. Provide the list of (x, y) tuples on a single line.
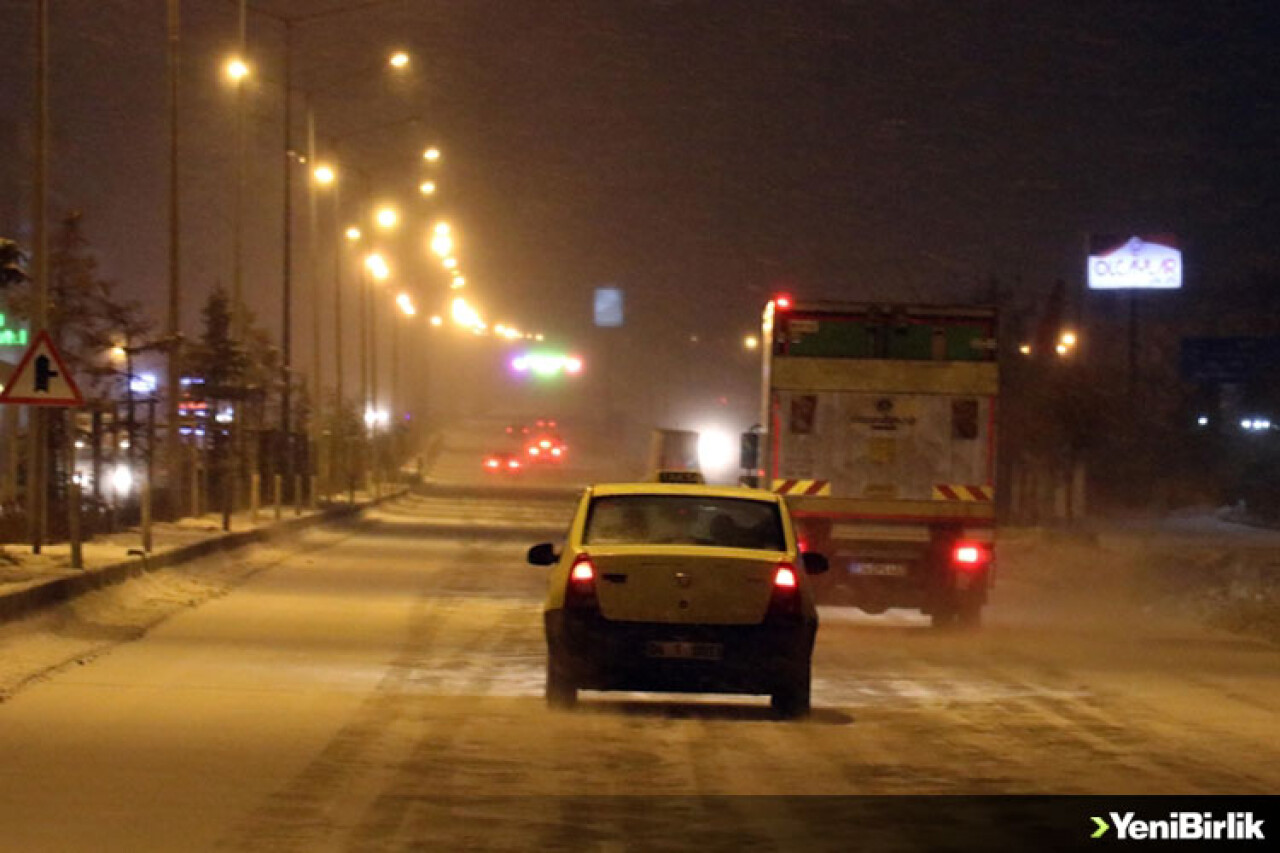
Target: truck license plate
[(682, 650), (891, 570)]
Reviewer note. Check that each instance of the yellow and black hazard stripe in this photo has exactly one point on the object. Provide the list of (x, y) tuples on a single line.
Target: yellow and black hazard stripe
[(964, 493), (808, 488)]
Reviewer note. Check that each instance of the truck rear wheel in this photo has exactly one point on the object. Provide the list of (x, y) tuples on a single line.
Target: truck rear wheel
[(961, 610), (969, 612)]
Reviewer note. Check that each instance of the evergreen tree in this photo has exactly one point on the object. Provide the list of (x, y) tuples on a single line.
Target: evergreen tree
[(13, 263), (86, 318)]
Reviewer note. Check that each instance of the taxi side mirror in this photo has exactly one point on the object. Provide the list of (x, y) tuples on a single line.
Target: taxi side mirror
[(814, 563), (543, 555)]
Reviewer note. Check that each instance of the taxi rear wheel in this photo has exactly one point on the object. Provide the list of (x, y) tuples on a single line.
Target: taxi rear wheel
[(791, 700), (561, 692)]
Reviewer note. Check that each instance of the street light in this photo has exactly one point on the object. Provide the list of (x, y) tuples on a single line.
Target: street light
[(353, 233), (378, 266), (324, 175), (751, 342), (387, 218), (431, 155), (399, 60), (442, 244), (427, 187), (237, 69)]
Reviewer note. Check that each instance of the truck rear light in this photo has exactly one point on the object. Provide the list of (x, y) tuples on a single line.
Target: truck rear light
[(581, 589), (970, 555), (782, 302)]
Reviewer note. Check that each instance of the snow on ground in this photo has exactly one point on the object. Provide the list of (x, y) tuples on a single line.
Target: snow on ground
[(18, 565), (86, 626), (1190, 565), (79, 630)]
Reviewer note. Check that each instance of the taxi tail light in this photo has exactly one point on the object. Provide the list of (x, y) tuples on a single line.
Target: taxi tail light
[(581, 589), (970, 556), (784, 603)]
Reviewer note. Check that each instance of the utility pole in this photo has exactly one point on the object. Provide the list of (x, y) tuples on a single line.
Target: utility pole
[(173, 438), (313, 277), (286, 330), (37, 479), (237, 276)]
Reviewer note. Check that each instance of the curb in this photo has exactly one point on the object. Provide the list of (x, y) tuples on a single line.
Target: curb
[(18, 603)]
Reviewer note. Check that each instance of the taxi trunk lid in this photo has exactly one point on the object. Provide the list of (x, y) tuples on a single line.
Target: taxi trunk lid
[(724, 586)]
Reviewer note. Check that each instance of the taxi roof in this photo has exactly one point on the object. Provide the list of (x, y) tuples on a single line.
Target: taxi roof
[(686, 489)]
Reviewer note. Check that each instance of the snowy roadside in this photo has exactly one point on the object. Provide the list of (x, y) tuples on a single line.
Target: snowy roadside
[(76, 631), (20, 568), (1194, 566)]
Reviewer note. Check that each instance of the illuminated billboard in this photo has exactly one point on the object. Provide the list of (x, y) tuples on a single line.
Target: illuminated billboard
[(1147, 262)]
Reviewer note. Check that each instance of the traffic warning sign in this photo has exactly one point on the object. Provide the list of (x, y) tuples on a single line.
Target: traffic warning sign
[(42, 378)]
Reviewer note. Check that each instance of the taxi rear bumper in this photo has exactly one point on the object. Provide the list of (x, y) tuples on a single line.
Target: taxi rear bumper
[(595, 653)]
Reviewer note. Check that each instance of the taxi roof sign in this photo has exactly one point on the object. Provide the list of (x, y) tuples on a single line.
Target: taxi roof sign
[(686, 477), (41, 378)]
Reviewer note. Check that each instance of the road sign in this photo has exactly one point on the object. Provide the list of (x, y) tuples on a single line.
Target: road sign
[(42, 378)]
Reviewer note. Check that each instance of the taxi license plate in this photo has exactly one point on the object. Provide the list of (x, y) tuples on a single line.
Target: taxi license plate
[(683, 650), (891, 570)]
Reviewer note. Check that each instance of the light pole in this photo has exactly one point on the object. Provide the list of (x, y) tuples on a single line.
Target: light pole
[(37, 486), (172, 439)]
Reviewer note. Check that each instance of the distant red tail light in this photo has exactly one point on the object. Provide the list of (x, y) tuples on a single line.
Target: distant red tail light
[(782, 302), (491, 463), (513, 463)]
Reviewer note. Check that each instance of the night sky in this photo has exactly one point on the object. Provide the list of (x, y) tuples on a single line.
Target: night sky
[(697, 154)]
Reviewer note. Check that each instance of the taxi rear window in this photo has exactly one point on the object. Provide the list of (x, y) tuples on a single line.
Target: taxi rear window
[(684, 520)]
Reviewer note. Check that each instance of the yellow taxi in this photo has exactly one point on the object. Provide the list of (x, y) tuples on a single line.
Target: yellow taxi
[(680, 588)]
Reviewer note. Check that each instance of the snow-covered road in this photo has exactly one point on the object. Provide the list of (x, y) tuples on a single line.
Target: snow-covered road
[(379, 687)]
